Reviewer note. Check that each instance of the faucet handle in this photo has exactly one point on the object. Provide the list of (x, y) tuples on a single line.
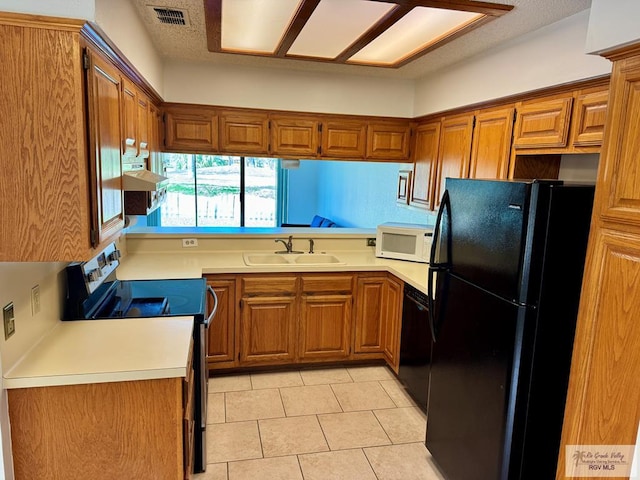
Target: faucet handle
[(311, 245)]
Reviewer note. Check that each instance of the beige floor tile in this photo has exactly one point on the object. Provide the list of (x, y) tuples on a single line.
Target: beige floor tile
[(253, 405), (352, 430), (325, 376), (276, 380), (366, 374), (291, 436), (338, 465), (215, 471), (233, 441), (410, 461), (280, 468), (215, 408), (398, 394), (403, 425), (309, 400), (229, 383), (362, 396)]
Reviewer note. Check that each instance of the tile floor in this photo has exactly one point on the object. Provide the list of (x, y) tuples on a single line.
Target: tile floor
[(327, 424)]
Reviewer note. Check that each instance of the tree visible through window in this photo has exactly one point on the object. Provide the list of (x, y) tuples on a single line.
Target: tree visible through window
[(220, 191)]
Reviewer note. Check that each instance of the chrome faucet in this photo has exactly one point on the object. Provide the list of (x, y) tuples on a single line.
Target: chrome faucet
[(288, 245)]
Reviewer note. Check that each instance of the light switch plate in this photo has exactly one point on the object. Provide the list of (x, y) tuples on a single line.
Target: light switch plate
[(35, 300), (9, 321)]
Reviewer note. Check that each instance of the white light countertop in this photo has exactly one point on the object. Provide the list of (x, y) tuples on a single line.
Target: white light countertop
[(100, 351), (181, 264)]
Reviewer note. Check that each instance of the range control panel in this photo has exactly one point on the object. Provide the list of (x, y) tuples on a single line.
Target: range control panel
[(96, 270)]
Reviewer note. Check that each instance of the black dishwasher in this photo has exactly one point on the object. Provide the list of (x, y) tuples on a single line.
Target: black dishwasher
[(415, 345)]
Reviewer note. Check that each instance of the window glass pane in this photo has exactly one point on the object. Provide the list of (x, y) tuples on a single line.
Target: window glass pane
[(180, 206), (218, 180), (260, 192)]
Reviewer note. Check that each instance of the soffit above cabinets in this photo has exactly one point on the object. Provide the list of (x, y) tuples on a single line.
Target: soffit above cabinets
[(377, 33)]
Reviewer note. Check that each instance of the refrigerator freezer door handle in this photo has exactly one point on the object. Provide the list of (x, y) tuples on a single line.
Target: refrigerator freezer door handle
[(430, 302), (436, 243)]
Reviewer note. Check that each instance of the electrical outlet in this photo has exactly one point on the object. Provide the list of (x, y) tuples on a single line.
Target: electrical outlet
[(35, 300), (9, 321), (189, 242), (371, 242)]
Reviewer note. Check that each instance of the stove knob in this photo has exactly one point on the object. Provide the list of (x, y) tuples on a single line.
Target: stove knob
[(113, 256), (94, 275)]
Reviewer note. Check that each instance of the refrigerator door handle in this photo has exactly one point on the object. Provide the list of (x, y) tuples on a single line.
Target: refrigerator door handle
[(445, 205), (430, 302)]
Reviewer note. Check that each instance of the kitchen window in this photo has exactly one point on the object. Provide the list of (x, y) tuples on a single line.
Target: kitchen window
[(220, 191)]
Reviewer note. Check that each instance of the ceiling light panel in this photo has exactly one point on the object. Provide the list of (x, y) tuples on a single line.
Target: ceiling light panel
[(415, 31), (255, 25), (336, 24)]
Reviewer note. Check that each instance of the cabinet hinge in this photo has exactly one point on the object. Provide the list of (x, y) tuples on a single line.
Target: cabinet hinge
[(94, 237), (319, 150), (86, 63), (474, 122), (320, 127)]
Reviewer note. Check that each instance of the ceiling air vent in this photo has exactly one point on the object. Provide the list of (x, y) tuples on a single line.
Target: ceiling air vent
[(170, 16)]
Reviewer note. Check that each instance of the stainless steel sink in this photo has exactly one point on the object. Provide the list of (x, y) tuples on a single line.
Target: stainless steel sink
[(289, 259)]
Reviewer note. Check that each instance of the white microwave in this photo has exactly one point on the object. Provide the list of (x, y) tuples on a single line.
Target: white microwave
[(404, 241)]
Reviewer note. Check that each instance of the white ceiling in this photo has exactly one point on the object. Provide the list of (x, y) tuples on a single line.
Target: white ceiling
[(190, 42)]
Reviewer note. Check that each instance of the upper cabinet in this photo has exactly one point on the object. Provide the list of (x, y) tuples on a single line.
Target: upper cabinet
[(589, 115), (426, 159), (453, 152), (244, 132), (189, 129), (129, 119), (294, 136), (143, 126), (388, 141), (543, 122), (104, 101), (344, 138), (568, 123), (62, 193), (491, 145)]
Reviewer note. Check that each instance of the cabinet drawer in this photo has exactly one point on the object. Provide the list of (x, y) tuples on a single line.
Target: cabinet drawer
[(269, 285), (327, 283)]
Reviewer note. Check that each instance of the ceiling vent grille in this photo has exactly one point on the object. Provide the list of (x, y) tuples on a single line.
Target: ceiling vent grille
[(170, 16)]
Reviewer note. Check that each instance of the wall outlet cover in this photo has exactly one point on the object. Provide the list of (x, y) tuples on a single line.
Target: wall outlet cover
[(9, 321), (189, 242), (35, 300)]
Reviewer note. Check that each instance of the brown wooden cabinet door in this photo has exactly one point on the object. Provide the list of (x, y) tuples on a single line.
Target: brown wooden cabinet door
[(589, 115), (267, 329), (344, 139), (424, 169), (392, 322), (369, 324), (129, 119), (453, 152), (491, 146), (143, 126), (388, 141), (543, 123), (325, 326), (104, 94), (191, 129), (244, 132), (222, 338), (294, 136)]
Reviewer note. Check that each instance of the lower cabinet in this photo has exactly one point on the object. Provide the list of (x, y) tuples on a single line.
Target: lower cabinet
[(221, 352), (276, 319), (267, 330), (103, 431)]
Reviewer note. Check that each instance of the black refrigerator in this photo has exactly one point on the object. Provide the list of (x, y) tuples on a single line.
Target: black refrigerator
[(504, 287)]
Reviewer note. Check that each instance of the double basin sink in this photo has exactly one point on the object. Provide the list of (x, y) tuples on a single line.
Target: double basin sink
[(289, 259)]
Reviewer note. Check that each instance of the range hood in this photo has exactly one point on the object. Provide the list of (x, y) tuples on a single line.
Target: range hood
[(143, 181)]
